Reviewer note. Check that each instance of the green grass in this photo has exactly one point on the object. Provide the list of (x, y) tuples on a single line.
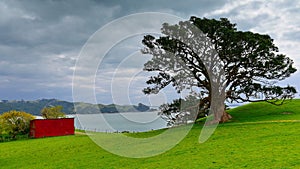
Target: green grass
[(262, 111), (6, 137), (250, 140)]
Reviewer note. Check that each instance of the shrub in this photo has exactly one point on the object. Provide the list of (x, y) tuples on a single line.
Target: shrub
[(15, 122)]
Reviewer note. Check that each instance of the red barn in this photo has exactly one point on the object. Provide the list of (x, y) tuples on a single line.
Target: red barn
[(51, 127)]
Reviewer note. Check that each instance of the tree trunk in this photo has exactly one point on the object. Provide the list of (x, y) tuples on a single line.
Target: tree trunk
[(225, 117)]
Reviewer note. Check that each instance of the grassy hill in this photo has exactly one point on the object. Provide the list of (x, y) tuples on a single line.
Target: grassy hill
[(262, 111), (259, 136)]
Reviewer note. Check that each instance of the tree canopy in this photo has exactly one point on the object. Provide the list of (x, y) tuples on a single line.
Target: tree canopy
[(218, 60), (53, 112)]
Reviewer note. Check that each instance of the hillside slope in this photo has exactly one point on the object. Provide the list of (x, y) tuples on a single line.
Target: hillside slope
[(262, 111), (259, 136)]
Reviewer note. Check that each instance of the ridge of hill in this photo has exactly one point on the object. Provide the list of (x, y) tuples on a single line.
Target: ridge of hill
[(35, 107)]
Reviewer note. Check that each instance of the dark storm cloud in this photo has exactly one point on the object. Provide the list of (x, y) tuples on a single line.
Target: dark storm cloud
[(40, 40)]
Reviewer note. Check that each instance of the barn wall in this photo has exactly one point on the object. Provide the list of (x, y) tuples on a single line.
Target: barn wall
[(51, 127)]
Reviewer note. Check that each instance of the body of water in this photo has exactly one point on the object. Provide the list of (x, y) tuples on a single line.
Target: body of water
[(118, 122)]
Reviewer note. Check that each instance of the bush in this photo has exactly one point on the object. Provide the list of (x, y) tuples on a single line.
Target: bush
[(15, 123)]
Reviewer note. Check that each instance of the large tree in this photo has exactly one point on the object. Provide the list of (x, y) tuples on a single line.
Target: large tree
[(221, 62)]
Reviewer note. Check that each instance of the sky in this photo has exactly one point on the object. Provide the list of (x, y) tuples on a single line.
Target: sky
[(42, 41)]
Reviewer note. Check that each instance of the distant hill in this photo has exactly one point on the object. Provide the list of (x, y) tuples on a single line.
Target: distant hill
[(35, 107)]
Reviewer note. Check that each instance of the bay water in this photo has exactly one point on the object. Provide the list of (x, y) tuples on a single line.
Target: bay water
[(119, 122)]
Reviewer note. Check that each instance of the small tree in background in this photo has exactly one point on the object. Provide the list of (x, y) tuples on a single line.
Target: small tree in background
[(15, 122), (180, 111), (54, 112)]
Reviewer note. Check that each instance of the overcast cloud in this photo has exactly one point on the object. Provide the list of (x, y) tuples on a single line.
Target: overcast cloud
[(40, 40)]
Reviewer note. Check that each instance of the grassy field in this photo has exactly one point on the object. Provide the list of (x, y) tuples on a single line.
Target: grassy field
[(259, 136)]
